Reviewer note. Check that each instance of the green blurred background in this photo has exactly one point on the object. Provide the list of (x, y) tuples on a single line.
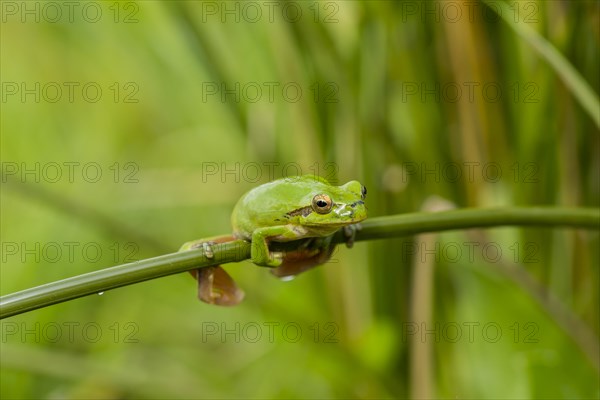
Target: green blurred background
[(129, 128)]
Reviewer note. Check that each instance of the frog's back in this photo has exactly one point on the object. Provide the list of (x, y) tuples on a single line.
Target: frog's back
[(268, 204)]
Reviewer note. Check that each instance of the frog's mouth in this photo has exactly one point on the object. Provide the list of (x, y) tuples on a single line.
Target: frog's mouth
[(346, 210), (348, 219), (340, 209)]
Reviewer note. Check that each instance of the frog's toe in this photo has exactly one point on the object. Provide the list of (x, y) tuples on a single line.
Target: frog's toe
[(273, 260), (276, 259), (206, 246), (350, 233)]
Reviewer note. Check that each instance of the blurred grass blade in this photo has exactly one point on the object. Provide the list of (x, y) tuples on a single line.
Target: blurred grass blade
[(580, 89)]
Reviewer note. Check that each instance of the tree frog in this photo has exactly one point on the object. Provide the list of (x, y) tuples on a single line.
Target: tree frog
[(307, 209)]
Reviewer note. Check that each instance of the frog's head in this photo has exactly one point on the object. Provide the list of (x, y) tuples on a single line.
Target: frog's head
[(336, 206)]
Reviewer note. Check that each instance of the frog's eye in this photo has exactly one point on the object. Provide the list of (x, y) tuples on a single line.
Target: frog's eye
[(363, 192), (322, 203)]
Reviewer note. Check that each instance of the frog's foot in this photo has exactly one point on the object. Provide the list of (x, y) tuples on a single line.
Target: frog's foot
[(206, 245), (302, 260), (350, 234), (275, 259), (215, 286), (261, 256), (208, 252)]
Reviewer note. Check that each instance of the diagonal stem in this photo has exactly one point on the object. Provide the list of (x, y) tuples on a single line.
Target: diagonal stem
[(239, 250)]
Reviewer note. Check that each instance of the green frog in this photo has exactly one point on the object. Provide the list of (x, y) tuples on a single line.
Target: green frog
[(306, 209)]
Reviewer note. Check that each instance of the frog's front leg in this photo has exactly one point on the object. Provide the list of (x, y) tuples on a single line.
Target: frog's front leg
[(260, 253)]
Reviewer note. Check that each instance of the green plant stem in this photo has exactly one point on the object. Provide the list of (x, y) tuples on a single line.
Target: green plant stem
[(239, 250)]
